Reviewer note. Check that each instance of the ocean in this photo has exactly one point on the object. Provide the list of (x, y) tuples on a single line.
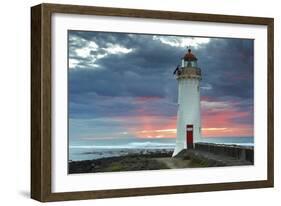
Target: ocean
[(95, 149)]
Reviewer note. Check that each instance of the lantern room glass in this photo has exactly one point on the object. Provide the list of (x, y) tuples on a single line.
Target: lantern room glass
[(189, 63)]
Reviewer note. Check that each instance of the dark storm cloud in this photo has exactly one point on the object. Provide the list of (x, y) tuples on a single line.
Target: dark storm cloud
[(227, 64), (113, 86)]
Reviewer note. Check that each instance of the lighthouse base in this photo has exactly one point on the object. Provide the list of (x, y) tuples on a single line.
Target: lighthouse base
[(185, 141), (177, 151)]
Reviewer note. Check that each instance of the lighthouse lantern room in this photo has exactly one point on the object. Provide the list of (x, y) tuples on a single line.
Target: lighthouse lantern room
[(188, 76)]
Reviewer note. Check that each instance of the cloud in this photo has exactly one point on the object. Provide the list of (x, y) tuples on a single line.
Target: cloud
[(174, 41), (116, 49), (215, 106), (206, 86), (84, 53), (86, 50), (129, 76)]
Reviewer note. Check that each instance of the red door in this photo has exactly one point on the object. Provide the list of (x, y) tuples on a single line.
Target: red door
[(189, 135)]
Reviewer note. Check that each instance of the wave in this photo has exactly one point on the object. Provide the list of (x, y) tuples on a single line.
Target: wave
[(131, 145), (149, 145)]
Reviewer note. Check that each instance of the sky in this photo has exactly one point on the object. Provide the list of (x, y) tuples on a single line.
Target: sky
[(122, 85)]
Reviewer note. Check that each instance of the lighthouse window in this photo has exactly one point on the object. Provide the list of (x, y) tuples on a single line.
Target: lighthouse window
[(194, 64)]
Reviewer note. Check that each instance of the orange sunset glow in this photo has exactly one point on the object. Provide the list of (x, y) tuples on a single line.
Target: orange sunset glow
[(206, 132), (219, 119), (150, 127)]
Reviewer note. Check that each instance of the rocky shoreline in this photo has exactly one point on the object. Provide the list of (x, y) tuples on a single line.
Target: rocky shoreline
[(142, 160), (221, 155)]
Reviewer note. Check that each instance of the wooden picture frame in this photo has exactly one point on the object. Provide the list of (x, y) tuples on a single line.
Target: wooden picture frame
[(41, 116)]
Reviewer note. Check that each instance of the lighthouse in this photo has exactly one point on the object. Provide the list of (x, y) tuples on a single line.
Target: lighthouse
[(188, 75)]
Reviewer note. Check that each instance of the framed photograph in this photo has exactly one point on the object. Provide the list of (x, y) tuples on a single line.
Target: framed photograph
[(130, 102)]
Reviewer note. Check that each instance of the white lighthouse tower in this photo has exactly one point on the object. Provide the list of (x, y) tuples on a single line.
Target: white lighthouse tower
[(188, 117)]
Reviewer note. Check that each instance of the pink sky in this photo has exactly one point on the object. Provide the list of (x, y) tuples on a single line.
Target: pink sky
[(217, 118)]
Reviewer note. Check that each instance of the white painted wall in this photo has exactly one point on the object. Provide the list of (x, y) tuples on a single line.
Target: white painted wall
[(15, 103), (188, 111)]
